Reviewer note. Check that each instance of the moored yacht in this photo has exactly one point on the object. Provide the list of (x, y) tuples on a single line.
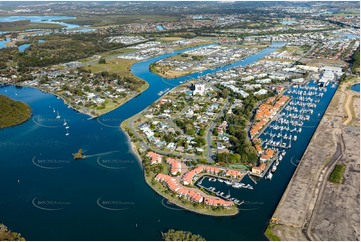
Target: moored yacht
[(269, 175), (274, 168)]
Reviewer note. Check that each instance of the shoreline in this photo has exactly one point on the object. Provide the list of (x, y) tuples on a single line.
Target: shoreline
[(291, 227), (14, 125), (174, 201), (143, 88), (175, 75), (289, 186), (24, 121), (7, 234), (134, 149)]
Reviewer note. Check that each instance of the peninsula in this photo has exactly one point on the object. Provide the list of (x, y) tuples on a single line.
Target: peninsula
[(13, 112), (222, 103)]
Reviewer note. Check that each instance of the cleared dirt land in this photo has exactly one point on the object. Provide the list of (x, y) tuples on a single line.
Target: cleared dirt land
[(314, 208)]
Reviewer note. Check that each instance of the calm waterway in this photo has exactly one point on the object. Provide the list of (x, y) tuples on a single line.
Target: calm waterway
[(48, 196), (42, 19), (47, 20), (356, 87)]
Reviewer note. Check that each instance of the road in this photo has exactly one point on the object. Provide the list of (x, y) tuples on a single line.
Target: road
[(209, 132), (146, 147)]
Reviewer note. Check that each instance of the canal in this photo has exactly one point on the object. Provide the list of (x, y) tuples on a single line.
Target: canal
[(49, 196)]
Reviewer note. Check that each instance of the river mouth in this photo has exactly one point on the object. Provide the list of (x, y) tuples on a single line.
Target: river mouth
[(110, 181)]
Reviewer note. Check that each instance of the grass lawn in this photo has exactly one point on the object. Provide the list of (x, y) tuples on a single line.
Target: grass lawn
[(170, 38), (191, 45), (337, 173), (118, 66), (238, 166), (270, 235), (347, 12), (116, 52)]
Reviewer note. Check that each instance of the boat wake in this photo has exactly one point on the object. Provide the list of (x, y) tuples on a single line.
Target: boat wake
[(105, 153)]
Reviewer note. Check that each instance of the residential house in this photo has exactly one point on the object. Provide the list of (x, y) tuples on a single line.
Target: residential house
[(154, 158)]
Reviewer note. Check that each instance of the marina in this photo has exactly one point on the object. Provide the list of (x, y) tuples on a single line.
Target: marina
[(222, 194), (53, 146), (282, 133), (297, 117)]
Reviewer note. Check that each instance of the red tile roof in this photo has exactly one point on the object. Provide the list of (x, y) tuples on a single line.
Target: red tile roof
[(154, 157), (175, 165), (188, 177), (265, 112), (179, 189), (268, 154), (233, 173), (215, 202)]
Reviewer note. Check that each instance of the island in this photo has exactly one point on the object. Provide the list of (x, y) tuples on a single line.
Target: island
[(8, 235), (79, 155), (179, 235), (13, 112)]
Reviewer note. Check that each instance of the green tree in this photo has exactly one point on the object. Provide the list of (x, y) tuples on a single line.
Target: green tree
[(189, 129), (102, 61)]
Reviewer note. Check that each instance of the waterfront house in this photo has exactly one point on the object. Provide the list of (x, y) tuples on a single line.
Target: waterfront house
[(257, 170), (265, 112), (154, 158), (233, 173), (216, 202), (189, 176), (191, 194), (259, 149), (181, 191), (267, 155)]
